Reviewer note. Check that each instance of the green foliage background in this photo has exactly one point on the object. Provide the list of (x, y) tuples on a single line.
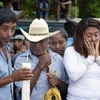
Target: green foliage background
[(84, 8), (89, 8), (29, 7)]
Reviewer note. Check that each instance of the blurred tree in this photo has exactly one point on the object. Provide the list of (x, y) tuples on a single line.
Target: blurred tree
[(80, 8), (89, 8), (1, 4), (29, 7)]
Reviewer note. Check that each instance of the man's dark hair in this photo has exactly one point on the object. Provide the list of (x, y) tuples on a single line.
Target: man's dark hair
[(70, 27), (7, 15)]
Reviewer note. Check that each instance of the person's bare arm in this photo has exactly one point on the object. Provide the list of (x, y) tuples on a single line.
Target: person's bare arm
[(57, 2), (44, 60), (36, 73), (21, 74), (68, 2), (54, 81), (97, 53)]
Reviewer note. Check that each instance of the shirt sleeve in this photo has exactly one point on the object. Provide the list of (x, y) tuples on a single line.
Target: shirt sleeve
[(98, 60), (74, 64), (61, 72), (90, 59), (64, 77)]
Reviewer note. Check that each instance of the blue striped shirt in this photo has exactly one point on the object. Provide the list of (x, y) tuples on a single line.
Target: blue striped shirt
[(6, 92), (42, 84)]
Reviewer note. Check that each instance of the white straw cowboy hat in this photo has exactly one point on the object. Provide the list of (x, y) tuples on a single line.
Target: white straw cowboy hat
[(38, 31)]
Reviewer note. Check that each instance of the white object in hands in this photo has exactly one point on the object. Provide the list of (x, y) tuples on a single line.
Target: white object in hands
[(26, 84)]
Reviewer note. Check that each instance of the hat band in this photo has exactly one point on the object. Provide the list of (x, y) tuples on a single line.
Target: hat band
[(38, 34)]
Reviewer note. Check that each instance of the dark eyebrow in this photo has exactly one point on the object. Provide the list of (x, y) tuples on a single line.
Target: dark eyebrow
[(8, 26), (97, 31)]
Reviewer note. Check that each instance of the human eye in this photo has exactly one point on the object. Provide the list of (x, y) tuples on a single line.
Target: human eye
[(53, 43), (96, 34), (5, 29), (61, 42), (13, 30), (88, 35)]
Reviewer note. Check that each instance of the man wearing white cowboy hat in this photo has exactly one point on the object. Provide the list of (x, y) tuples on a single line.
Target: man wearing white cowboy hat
[(40, 56)]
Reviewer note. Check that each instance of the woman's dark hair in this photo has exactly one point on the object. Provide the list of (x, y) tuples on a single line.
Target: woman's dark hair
[(7, 15), (61, 29), (78, 35)]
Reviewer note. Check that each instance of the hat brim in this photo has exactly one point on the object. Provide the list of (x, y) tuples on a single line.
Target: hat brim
[(37, 38)]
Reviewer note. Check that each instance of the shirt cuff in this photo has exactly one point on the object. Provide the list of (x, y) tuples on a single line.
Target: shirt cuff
[(90, 59), (98, 60)]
